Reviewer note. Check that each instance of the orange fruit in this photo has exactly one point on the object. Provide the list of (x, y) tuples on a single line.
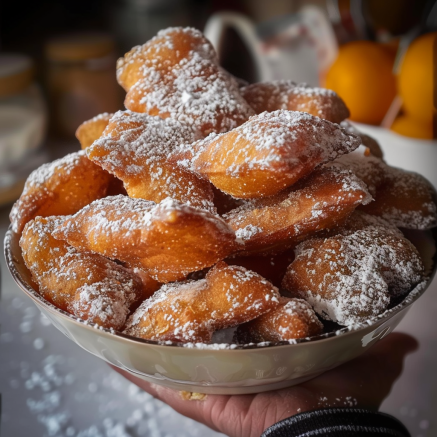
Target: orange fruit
[(362, 76), (411, 127), (415, 78)]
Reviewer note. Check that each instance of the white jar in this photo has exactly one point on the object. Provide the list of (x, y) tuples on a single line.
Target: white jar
[(23, 119)]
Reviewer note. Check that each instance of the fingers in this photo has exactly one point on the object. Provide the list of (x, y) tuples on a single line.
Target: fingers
[(235, 416), (363, 382)]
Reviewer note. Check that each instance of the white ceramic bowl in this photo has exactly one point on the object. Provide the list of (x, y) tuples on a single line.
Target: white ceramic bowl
[(223, 369)]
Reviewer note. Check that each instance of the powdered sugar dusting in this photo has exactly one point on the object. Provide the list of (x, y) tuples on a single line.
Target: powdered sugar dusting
[(279, 139), (302, 210), (161, 53), (351, 276), (247, 232), (136, 148), (121, 214), (286, 94), (42, 174), (168, 240), (191, 311), (290, 320), (87, 285), (61, 187), (176, 74), (197, 92), (403, 198)]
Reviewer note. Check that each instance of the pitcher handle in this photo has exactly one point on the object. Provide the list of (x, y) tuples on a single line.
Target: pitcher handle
[(218, 23)]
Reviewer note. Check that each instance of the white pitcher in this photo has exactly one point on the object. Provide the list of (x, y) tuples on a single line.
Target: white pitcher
[(300, 47)]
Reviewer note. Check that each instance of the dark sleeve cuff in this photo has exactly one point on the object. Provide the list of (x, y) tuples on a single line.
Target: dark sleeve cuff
[(338, 422)]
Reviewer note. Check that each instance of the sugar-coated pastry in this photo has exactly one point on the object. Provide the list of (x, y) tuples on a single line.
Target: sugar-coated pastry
[(87, 285), (90, 130), (268, 153), (403, 198), (135, 148), (191, 311), (321, 201), (176, 74), (186, 213), (198, 93), (62, 187), (350, 277), (163, 53), (168, 240), (290, 320), (286, 94)]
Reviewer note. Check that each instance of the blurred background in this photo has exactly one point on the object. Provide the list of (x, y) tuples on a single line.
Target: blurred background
[(57, 61), (57, 69)]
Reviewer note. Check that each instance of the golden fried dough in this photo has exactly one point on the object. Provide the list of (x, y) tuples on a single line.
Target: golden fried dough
[(268, 153), (176, 74), (350, 277), (191, 311), (290, 320), (149, 284), (198, 93), (286, 94), (88, 285), (91, 130), (321, 201), (403, 198), (62, 187), (163, 53), (135, 148), (168, 240)]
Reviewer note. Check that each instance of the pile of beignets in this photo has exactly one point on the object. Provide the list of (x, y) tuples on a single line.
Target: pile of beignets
[(210, 204)]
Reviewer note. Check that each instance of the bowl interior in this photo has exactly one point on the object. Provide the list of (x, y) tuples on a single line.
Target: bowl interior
[(224, 368), (425, 241)]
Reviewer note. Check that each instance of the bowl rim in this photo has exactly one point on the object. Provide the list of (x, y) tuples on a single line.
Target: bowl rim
[(23, 284)]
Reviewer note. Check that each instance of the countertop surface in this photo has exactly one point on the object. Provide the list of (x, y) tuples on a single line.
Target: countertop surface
[(51, 387)]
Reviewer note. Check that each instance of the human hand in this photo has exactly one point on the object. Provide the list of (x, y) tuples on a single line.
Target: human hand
[(363, 382)]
